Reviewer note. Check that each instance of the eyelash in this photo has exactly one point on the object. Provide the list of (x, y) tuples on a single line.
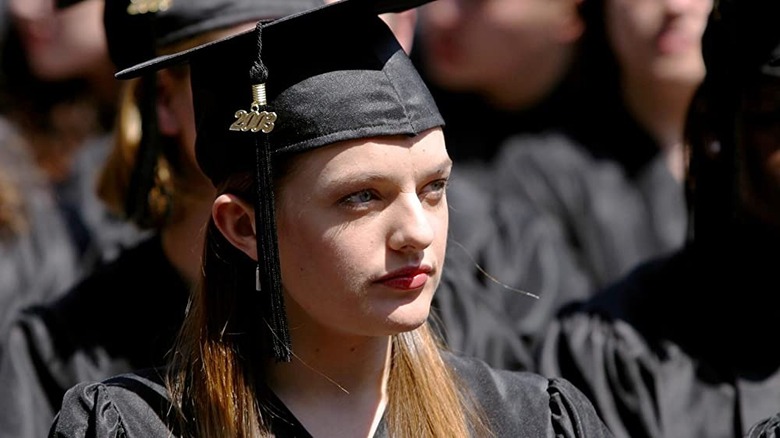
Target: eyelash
[(350, 200)]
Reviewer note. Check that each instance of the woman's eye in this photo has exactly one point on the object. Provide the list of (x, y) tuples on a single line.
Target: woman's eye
[(358, 198), (435, 189)]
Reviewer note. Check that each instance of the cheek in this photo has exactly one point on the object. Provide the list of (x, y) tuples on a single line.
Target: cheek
[(629, 27), (314, 257)]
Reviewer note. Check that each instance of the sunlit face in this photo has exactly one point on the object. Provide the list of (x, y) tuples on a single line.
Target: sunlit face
[(658, 39), (362, 235), (480, 45), (759, 135), (61, 44)]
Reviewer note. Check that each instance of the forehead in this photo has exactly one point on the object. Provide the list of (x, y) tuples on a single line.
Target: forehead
[(376, 157)]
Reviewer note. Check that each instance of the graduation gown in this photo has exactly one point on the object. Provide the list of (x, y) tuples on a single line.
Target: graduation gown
[(123, 317), (471, 321), (561, 221), (515, 404), (39, 261), (766, 428), (678, 348)]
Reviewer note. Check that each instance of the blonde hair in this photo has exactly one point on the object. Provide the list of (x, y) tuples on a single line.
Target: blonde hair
[(13, 221), (115, 177)]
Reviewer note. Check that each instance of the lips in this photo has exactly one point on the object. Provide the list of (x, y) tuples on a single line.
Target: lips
[(408, 278)]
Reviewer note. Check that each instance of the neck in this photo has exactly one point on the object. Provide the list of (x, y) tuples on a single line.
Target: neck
[(661, 109), (530, 88), (182, 239), (335, 386)]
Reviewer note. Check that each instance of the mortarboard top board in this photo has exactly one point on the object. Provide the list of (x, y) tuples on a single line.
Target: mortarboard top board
[(329, 74)]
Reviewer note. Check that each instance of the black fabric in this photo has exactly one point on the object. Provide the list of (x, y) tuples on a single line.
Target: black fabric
[(679, 347), (136, 30), (551, 218), (123, 317), (766, 428), (514, 404), (37, 257)]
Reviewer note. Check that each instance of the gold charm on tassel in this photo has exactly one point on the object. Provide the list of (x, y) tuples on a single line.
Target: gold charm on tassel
[(137, 7), (255, 120)]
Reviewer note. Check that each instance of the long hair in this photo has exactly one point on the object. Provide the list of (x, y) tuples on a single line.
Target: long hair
[(114, 182), (16, 173), (148, 204), (216, 376), (711, 181)]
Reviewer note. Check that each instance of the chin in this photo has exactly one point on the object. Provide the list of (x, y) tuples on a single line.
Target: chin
[(681, 72), (404, 321)]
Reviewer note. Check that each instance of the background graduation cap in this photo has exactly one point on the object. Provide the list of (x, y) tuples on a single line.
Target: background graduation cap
[(330, 74), (136, 30)]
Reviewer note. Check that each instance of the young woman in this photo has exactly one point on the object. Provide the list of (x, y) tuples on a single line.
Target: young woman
[(682, 346), (323, 251)]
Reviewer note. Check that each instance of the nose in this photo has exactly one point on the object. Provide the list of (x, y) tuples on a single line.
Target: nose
[(676, 7), (411, 229)]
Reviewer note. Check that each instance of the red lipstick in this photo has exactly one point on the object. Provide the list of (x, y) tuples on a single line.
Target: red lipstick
[(408, 278)]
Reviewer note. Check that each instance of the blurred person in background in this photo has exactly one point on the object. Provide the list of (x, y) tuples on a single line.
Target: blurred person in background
[(37, 258), (577, 206), (55, 97), (682, 345), (59, 93), (497, 68)]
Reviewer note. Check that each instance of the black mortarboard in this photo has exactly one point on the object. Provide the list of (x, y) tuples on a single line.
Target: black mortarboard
[(330, 74), (135, 29)]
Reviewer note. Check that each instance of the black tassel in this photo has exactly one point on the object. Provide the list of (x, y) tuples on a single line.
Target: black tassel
[(269, 272)]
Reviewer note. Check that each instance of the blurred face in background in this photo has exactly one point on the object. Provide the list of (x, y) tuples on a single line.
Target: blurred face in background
[(758, 133), (61, 44), (483, 45), (658, 39)]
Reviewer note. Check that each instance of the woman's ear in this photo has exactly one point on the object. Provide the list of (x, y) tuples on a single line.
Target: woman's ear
[(235, 219)]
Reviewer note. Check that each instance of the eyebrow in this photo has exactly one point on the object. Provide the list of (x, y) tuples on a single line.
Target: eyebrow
[(360, 176)]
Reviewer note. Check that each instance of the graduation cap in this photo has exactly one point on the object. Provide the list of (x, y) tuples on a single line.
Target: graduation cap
[(330, 74), (136, 29)]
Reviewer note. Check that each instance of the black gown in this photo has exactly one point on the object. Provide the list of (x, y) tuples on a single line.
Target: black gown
[(560, 221), (516, 404), (680, 347), (38, 261), (470, 321), (123, 317), (766, 428)]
